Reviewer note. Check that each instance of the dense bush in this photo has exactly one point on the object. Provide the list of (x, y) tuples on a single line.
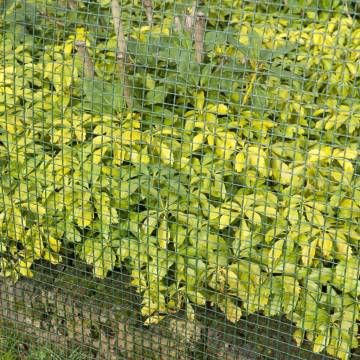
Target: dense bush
[(234, 182)]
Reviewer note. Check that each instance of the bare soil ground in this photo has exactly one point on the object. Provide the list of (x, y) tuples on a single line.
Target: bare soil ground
[(67, 306)]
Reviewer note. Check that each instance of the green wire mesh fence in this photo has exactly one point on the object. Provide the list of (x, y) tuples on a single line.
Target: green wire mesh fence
[(180, 180)]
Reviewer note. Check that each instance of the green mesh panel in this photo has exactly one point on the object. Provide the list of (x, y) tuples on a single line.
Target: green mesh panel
[(179, 180)]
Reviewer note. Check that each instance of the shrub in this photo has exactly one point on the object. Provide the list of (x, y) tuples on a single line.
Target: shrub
[(234, 180)]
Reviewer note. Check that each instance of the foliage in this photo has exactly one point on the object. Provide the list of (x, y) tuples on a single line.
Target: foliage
[(234, 182)]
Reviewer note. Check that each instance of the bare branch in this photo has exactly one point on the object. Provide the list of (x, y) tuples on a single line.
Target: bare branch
[(119, 31), (249, 88), (149, 11), (193, 11), (199, 36), (84, 53), (72, 4), (190, 19), (346, 8), (187, 23), (177, 22), (121, 57), (220, 65)]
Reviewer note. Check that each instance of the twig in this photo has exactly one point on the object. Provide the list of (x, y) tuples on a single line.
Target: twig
[(346, 8), (149, 11), (120, 37), (88, 64), (72, 4), (177, 22), (220, 65), (199, 36), (193, 11), (250, 88), (120, 59), (190, 19), (187, 23)]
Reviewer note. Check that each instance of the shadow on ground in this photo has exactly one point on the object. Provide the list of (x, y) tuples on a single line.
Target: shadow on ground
[(68, 307)]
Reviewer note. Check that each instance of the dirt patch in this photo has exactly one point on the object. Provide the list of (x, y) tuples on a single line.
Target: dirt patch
[(101, 316), (69, 307)]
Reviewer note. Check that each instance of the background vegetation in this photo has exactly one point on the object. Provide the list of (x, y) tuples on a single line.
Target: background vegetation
[(216, 160)]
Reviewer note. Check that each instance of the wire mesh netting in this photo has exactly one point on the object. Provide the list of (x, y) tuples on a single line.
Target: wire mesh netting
[(179, 179)]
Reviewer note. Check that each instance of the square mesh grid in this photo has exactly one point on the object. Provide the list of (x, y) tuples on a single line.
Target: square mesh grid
[(180, 180)]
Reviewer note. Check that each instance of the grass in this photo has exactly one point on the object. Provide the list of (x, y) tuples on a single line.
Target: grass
[(14, 346)]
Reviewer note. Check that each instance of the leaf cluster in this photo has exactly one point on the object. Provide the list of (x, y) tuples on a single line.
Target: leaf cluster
[(232, 182)]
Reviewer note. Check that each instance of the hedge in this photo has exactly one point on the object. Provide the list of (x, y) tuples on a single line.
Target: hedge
[(216, 159)]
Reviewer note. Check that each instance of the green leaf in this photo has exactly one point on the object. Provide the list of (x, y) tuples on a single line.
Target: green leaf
[(255, 45), (282, 74), (189, 69), (72, 234), (233, 40), (163, 48), (206, 74), (259, 99), (104, 263), (346, 275), (102, 97), (214, 39), (269, 54), (223, 82), (156, 95)]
